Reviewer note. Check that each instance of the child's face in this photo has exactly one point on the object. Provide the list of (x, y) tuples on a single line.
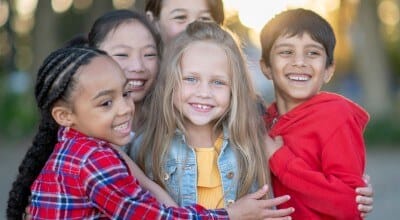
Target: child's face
[(132, 46), (175, 15), (297, 68), (204, 95), (101, 104)]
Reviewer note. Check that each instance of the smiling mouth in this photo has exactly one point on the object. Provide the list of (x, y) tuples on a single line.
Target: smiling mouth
[(136, 84), (123, 128), (298, 77), (201, 107)]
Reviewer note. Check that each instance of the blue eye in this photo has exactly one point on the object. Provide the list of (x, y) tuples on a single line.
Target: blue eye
[(190, 79), (219, 82)]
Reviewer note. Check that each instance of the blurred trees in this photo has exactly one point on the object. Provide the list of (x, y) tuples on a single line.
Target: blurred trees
[(376, 63), (370, 61)]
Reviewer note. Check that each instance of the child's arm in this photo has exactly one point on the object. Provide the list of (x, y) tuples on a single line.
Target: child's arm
[(117, 194), (330, 189), (160, 194)]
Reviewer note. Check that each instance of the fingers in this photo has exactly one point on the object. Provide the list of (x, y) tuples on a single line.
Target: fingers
[(259, 193), (364, 200), (279, 213), (366, 179), (269, 203), (364, 209), (365, 191)]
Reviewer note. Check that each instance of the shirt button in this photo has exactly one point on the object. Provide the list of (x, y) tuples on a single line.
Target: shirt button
[(230, 202), (166, 176), (230, 175)]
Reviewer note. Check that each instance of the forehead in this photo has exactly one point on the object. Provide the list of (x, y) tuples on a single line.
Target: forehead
[(303, 38), (101, 71), (205, 57), (132, 33), (190, 5)]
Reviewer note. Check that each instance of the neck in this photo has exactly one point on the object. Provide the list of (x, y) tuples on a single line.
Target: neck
[(200, 136), (285, 105)]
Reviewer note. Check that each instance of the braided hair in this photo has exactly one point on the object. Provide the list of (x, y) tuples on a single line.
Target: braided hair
[(54, 82)]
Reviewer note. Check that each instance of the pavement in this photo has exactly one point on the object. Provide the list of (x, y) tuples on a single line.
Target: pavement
[(383, 165)]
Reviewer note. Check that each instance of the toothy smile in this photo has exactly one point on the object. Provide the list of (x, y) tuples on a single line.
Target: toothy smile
[(201, 106), (299, 77), (136, 83), (123, 128)]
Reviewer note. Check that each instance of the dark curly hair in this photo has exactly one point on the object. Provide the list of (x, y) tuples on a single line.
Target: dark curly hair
[(54, 82)]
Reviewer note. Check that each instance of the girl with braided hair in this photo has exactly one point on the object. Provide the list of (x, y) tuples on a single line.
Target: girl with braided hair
[(74, 169)]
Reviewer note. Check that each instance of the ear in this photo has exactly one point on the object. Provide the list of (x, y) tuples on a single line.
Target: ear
[(266, 70), (150, 16), (329, 72), (62, 115)]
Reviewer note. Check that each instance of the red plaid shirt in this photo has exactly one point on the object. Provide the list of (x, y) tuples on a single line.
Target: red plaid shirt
[(85, 178)]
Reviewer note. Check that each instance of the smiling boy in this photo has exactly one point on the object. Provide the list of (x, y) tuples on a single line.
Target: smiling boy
[(322, 158)]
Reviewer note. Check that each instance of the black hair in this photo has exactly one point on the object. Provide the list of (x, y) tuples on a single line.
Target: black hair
[(111, 20), (297, 22), (107, 23), (54, 82)]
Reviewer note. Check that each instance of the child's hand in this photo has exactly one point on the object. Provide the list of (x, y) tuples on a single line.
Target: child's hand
[(272, 144), (365, 197), (252, 206), (26, 215)]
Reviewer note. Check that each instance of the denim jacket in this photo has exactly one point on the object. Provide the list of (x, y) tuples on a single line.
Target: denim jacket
[(181, 171)]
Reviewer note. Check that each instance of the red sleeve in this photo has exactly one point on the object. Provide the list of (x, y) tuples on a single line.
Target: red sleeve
[(117, 194), (332, 190)]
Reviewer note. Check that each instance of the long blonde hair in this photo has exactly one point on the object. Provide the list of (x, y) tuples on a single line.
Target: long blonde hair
[(243, 120)]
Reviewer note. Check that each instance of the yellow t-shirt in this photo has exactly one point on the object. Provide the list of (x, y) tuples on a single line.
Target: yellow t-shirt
[(209, 185)]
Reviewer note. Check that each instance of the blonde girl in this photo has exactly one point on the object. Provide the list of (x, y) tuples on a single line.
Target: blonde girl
[(204, 101)]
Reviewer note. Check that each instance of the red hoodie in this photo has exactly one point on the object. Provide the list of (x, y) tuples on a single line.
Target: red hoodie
[(323, 157)]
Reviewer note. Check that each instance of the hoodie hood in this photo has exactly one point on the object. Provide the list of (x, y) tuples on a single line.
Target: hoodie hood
[(325, 110)]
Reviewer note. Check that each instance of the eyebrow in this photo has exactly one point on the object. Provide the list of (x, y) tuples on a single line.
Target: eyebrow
[(185, 10), (107, 92), (102, 93), (291, 45), (122, 46)]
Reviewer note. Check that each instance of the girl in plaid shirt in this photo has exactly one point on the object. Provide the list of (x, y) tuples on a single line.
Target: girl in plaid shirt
[(84, 175)]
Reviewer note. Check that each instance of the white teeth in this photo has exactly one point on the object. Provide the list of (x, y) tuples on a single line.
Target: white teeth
[(121, 127), (299, 77), (136, 83), (203, 107)]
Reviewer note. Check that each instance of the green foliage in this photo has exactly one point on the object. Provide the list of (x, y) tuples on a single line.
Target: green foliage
[(17, 113), (384, 131)]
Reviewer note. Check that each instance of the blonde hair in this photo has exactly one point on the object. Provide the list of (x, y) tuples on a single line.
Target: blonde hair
[(243, 119)]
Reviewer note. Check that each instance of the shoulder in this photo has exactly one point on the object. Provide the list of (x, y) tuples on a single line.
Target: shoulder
[(87, 150)]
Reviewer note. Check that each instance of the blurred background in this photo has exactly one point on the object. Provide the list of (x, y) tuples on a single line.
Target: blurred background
[(367, 60)]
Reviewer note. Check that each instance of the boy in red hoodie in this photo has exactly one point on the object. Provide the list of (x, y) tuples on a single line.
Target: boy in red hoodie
[(322, 157)]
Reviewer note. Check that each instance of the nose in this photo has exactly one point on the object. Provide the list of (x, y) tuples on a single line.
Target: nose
[(127, 107), (204, 90), (135, 65), (299, 60)]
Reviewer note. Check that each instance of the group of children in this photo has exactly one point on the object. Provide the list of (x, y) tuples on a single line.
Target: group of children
[(198, 134)]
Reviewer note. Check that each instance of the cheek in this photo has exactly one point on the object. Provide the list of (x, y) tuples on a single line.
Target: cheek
[(152, 66), (171, 30)]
